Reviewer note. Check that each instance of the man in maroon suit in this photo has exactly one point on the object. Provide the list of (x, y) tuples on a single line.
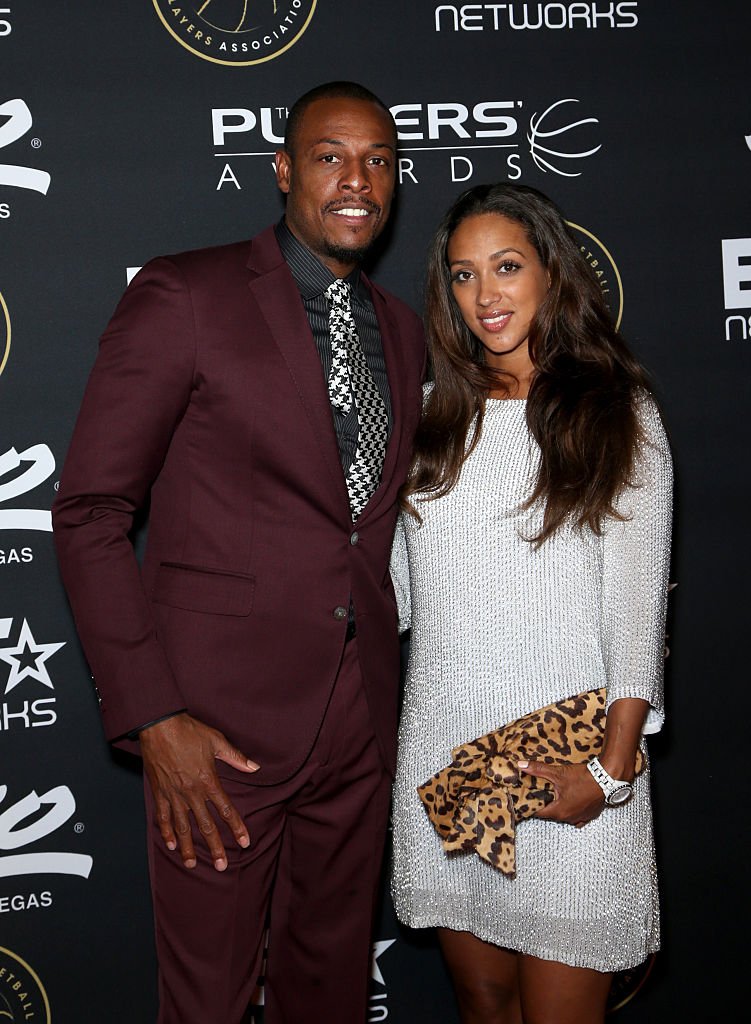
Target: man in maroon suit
[(264, 396)]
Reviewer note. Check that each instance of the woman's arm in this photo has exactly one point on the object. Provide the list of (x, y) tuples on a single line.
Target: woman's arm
[(636, 562), (400, 575)]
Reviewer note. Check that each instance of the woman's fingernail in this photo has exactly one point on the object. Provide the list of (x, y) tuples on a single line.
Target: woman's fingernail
[(522, 764)]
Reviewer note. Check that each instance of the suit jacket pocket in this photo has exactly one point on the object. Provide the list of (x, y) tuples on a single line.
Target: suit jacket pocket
[(199, 589)]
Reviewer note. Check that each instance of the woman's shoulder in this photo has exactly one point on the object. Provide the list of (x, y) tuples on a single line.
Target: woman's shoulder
[(650, 419), (653, 445)]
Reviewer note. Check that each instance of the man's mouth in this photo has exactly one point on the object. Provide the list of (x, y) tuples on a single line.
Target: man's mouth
[(357, 211)]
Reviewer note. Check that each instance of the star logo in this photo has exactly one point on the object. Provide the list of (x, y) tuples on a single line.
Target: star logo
[(27, 659), (378, 948)]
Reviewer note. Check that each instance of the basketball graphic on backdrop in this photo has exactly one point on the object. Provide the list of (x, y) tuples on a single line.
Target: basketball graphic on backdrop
[(236, 32), (559, 139), (4, 333), (229, 15)]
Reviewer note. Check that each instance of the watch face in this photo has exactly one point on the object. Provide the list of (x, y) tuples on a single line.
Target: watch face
[(620, 796)]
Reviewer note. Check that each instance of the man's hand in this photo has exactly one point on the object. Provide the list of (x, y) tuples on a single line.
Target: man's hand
[(578, 798), (178, 756)]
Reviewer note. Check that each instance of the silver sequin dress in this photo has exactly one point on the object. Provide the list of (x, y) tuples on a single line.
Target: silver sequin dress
[(499, 629)]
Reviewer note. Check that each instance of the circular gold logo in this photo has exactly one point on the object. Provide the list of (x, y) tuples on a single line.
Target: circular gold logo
[(236, 32), (4, 333), (22, 995), (627, 983), (604, 268)]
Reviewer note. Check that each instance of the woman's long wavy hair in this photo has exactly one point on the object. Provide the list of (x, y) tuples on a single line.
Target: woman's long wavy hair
[(581, 407)]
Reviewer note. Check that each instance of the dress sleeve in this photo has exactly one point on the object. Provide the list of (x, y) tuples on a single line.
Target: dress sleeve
[(400, 575), (400, 557), (636, 564)]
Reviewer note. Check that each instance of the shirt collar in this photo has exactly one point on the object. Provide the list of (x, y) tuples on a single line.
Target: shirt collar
[(311, 276)]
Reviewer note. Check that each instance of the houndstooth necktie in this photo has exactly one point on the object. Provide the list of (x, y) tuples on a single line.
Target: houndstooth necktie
[(350, 377)]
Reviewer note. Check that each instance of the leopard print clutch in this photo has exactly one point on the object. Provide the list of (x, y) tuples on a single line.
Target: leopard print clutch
[(475, 802)]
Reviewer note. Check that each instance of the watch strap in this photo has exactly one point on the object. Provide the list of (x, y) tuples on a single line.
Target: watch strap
[(615, 791)]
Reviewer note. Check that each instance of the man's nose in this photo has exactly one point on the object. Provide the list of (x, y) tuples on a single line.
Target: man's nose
[(355, 177)]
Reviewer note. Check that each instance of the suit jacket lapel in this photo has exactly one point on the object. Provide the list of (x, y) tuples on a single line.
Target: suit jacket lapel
[(279, 301)]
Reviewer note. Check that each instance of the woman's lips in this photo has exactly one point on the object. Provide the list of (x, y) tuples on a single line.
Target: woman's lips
[(495, 321)]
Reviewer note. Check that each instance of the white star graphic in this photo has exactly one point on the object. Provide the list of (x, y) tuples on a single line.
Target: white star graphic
[(40, 653), (378, 948)]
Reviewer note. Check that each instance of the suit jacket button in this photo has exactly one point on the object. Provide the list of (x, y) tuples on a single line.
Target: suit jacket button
[(354, 539), (340, 613)]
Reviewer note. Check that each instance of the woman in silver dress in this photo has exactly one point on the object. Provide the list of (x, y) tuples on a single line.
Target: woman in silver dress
[(531, 562)]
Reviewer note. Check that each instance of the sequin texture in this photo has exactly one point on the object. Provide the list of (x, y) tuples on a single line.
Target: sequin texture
[(499, 629)]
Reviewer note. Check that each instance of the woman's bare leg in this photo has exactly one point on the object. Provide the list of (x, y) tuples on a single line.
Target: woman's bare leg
[(498, 986), (484, 976), (554, 993)]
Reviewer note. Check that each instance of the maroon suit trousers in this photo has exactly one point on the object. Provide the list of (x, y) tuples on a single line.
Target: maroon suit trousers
[(312, 866)]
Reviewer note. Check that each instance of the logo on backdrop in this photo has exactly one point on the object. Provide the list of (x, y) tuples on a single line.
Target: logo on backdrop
[(626, 984), (736, 276), (556, 16), (491, 138), (32, 819), (17, 121), (5, 26), (22, 994), (546, 131), (236, 32), (378, 1002), (4, 333), (604, 268), (24, 661), (21, 473)]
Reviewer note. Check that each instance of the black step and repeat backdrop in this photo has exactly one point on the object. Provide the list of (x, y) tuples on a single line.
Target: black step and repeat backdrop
[(138, 127)]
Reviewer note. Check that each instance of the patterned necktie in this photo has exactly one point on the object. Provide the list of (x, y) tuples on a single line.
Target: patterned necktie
[(350, 378)]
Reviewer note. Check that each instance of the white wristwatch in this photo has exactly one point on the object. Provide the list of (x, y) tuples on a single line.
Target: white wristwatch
[(616, 791)]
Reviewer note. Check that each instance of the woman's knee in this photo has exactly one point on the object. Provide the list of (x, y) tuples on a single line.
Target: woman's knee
[(487, 999)]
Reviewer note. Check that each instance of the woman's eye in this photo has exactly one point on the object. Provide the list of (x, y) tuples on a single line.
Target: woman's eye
[(461, 276), (508, 266)]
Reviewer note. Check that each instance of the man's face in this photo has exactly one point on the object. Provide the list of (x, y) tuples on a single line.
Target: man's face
[(339, 180)]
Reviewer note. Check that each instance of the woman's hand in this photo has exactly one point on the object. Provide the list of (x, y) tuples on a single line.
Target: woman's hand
[(578, 798)]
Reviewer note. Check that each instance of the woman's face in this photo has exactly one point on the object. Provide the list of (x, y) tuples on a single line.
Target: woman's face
[(498, 282)]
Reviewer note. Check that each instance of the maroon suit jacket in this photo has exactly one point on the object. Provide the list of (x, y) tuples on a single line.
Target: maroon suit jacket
[(208, 397)]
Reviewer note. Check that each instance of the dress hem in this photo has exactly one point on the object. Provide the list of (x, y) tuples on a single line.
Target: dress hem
[(530, 949)]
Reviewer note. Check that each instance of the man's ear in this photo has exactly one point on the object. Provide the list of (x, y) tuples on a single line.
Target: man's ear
[(283, 165)]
